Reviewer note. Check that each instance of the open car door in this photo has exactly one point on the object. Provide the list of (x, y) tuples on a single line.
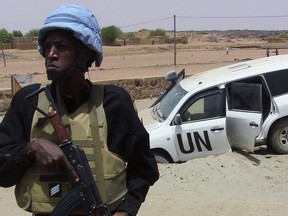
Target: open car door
[(244, 115)]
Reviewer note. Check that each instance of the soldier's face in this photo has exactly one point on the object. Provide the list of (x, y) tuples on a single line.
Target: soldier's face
[(60, 53)]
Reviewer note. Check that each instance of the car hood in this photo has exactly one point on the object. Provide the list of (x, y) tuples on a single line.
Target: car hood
[(148, 121)]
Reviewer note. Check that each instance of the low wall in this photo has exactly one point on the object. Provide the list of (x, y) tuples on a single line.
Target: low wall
[(141, 88), (138, 88)]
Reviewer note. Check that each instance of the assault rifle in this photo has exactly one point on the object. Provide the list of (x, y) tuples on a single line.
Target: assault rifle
[(84, 192)]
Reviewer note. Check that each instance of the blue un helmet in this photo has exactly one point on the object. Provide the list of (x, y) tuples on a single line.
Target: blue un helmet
[(78, 20)]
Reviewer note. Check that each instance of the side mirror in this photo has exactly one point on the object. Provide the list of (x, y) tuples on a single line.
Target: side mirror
[(177, 120), (171, 76)]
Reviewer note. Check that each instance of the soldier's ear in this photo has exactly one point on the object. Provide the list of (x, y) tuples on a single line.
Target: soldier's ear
[(85, 54), (87, 57)]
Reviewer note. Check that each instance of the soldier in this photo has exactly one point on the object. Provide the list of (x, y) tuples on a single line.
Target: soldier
[(70, 42)]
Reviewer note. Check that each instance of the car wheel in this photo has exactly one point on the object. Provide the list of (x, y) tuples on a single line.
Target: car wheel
[(279, 137), (160, 158)]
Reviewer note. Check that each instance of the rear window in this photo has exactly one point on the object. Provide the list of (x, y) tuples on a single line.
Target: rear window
[(277, 82)]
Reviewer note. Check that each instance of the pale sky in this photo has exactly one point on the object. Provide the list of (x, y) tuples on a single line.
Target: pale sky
[(152, 14)]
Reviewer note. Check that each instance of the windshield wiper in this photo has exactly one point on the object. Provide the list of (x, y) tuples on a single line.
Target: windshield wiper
[(153, 113), (156, 113)]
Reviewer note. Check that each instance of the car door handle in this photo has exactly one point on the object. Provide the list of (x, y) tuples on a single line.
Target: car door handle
[(253, 124), (217, 129)]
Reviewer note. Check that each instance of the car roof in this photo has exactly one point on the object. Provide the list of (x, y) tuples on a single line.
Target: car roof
[(222, 75)]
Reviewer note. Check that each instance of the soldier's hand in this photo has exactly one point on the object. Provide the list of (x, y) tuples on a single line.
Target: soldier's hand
[(51, 156)]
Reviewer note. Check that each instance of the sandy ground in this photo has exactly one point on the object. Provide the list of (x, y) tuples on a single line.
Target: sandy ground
[(145, 61), (235, 183)]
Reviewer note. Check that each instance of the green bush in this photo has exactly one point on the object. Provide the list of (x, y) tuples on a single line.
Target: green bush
[(32, 33), (109, 35), (17, 33), (5, 36)]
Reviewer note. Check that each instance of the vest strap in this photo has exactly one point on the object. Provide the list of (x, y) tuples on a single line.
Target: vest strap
[(96, 120)]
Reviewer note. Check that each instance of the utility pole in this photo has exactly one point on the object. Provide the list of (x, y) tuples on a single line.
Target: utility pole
[(175, 40)]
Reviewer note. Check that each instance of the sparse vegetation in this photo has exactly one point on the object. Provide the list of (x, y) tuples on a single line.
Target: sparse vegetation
[(157, 32), (128, 35), (283, 36)]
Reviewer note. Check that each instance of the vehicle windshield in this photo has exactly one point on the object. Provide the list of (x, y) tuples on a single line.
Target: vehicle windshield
[(163, 109)]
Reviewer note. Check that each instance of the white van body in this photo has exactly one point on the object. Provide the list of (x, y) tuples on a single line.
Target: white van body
[(239, 106)]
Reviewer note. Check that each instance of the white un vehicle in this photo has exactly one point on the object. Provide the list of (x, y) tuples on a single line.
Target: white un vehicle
[(238, 106)]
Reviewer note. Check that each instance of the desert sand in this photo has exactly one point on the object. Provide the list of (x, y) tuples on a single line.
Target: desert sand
[(236, 183)]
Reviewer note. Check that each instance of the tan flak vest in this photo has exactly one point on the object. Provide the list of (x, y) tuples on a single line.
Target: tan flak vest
[(40, 190)]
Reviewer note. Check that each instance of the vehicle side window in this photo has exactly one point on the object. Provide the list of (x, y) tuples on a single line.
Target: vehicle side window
[(203, 108), (245, 96)]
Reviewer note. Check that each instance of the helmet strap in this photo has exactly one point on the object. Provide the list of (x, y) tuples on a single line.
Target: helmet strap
[(77, 64), (73, 69)]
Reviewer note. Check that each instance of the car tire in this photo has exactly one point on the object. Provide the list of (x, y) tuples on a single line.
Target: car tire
[(160, 158), (279, 137)]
